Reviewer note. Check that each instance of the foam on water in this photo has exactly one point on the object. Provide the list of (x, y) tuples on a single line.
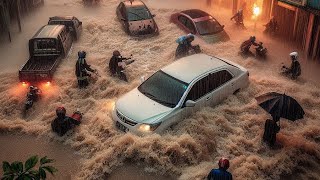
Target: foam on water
[(189, 149)]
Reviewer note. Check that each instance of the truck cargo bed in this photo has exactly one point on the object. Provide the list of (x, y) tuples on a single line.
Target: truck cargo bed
[(39, 63)]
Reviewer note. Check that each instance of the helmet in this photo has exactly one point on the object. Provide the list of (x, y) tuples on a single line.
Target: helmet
[(61, 112), (224, 163), (82, 54), (294, 55), (31, 88), (252, 38), (116, 53), (190, 37)]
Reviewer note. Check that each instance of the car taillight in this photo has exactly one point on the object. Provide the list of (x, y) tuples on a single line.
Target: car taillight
[(24, 84)]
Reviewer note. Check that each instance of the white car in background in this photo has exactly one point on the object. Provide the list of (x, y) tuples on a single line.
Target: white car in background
[(176, 91)]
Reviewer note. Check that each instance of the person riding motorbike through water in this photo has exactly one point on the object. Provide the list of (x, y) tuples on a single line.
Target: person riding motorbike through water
[(221, 173), (62, 123), (34, 93), (295, 68), (185, 46), (116, 65), (245, 46), (81, 70), (271, 26), (238, 17)]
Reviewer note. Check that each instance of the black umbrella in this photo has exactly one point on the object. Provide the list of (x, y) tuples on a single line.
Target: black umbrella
[(280, 106)]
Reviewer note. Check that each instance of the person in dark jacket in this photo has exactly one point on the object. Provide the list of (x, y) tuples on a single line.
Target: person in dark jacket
[(82, 69), (117, 63), (295, 69), (221, 173), (271, 128), (245, 46), (62, 123), (185, 46), (238, 17)]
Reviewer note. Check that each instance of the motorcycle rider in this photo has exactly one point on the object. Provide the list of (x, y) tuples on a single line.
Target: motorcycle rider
[(185, 46), (117, 64), (81, 70), (222, 172), (62, 123), (238, 17), (245, 46), (34, 93), (295, 69)]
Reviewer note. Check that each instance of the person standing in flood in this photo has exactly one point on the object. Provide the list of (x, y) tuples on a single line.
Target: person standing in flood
[(221, 173)]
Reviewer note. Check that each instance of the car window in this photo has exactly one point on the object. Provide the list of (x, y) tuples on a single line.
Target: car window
[(190, 26), (219, 78), (208, 84), (45, 44), (210, 26), (199, 89), (182, 19), (138, 13), (163, 89)]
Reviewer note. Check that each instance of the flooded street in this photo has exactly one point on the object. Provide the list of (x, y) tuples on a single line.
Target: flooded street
[(188, 150)]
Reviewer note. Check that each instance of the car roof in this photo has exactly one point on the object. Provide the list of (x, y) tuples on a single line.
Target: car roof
[(133, 3), (62, 18), (188, 68), (195, 13), (49, 31)]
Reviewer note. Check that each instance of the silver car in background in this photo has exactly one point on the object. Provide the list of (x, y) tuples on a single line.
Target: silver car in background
[(176, 91)]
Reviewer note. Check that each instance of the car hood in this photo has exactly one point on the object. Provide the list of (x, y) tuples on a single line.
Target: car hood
[(218, 37), (141, 109), (143, 27)]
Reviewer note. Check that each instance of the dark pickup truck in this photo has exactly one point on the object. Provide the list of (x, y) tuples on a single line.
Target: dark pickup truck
[(47, 48), (74, 26)]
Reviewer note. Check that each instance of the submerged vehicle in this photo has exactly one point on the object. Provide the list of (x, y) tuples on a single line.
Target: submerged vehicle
[(136, 18), (202, 24), (73, 24), (47, 48), (176, 91)]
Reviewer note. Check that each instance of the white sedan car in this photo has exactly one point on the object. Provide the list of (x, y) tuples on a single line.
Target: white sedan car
[(176, 91)]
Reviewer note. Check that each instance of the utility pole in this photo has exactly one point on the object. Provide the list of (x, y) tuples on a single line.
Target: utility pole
[(18, 13)]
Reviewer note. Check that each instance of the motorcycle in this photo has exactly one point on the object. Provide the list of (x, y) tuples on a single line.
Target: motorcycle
[(194, 50), (32, 96), (261, 51), (77, 115)]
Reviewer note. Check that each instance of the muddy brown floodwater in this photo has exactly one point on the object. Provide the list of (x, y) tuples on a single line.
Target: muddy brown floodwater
[(21, 147)]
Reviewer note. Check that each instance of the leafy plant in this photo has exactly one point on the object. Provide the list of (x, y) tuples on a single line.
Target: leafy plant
[(16, 170)]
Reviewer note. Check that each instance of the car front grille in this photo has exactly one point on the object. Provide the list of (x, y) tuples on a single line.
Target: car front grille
[(125, 120)]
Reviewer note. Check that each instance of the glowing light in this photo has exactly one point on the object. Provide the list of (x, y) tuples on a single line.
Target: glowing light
[(48, 83), (256, 10), (24, 84), (145, 127)]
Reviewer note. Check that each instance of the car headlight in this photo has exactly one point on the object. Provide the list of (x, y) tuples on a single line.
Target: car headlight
[(148, 127)]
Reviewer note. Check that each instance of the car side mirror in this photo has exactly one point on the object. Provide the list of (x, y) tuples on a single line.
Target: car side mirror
[(80, 22), (190, 103)]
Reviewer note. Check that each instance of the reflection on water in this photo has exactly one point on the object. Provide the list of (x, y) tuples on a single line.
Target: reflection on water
[(21, 147)]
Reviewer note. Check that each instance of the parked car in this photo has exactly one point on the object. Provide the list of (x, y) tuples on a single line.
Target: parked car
[(73, 24), (176, 91), (47, 48), (201, 24), (136, 18)]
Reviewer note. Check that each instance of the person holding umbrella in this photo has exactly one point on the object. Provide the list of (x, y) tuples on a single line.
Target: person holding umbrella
[(278, 106)]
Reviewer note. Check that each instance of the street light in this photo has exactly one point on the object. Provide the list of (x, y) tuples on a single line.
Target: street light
[(256, 13)]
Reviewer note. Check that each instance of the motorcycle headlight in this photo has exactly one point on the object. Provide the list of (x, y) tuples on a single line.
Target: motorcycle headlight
[(148, 127)]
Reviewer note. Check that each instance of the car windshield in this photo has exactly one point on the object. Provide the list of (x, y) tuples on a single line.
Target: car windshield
[(138, 13), (210, 26), (163, 89)]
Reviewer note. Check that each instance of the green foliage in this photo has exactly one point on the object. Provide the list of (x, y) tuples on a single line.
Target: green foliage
[(16, 170)]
